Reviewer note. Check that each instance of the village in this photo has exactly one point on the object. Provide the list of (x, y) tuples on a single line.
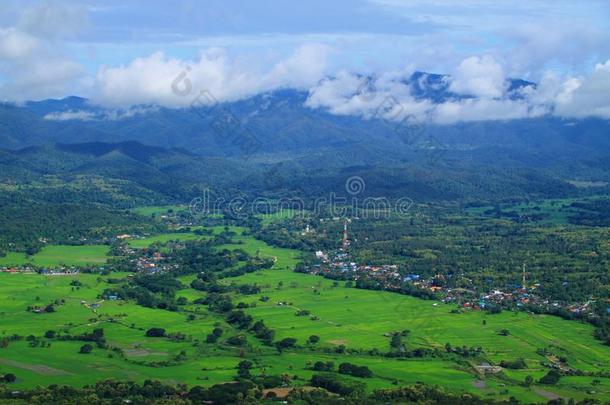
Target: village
[(337, 264), (391, 277)]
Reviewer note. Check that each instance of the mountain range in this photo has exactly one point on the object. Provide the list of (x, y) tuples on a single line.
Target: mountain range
[(273, 142)]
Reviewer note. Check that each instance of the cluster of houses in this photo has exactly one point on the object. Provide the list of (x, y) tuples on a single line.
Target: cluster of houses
[(516, 296), (147, 263), (337, 265), (46, 271), (152, 264)]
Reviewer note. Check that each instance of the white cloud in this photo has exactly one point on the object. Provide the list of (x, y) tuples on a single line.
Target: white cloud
[(33, 65), (104, 115), (388, 97), (385, 96), (42, 78), (479, 77), (78, 115), (53, 19), (582, 97), (303, 68), (15, 44), (171, 82), (32, 62), (483, 109)]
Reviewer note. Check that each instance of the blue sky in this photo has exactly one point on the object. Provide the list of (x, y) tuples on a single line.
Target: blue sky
[(56, 48)]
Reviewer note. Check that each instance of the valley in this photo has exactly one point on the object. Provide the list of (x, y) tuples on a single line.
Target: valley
[(352, 325)]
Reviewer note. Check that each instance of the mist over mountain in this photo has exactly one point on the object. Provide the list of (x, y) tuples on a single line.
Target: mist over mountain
[(235, 145), (283, 125)]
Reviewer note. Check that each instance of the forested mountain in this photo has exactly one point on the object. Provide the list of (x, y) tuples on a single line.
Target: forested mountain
[(273, 143), (283, 126)]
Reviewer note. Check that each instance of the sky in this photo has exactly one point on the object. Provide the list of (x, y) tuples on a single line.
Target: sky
[(125, 53)]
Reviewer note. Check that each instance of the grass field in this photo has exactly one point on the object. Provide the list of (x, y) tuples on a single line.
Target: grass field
[(544, 212), (175, 236), (163, 238), (355, 318), (278, 216), (159, 209), (360, 318), (57, 255)]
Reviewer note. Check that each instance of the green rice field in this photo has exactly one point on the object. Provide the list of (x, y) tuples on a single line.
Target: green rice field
[(58, 255), (360, 320)]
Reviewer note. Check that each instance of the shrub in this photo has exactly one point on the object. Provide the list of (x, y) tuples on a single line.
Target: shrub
[(323, 366), (333, 384), (515, 364), (9, 378), (86, 349), (238, 340), (551, 378), (286, 343), (155, 332), (313, 339), (356, 371)]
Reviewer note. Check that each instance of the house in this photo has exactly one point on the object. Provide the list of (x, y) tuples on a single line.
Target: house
[(321, 255), (486, 368)]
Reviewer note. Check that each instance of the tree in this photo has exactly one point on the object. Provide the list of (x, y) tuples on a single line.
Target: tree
[(529, 380), (551, 378), (86, 349), (322, 366), (238, 340), (356, 371), (333, 384), (515, 364), (9, 378), (245, 364), (155, 332), (286, 343), (313, 339), (396, 342), (50, 334), (243, 369)]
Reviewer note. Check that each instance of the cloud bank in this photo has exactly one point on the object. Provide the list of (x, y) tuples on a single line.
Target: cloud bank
[(477, 90), (32, 56), (171, 82), (480, 89), (43, 55)]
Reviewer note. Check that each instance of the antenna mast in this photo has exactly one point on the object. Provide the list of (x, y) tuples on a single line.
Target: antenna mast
[(345, 238)]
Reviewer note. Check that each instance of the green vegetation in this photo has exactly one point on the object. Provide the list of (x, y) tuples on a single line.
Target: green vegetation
[(346, 330), (59, 255), (279, 216), (159, 210), (163, 238), (578, 211)]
